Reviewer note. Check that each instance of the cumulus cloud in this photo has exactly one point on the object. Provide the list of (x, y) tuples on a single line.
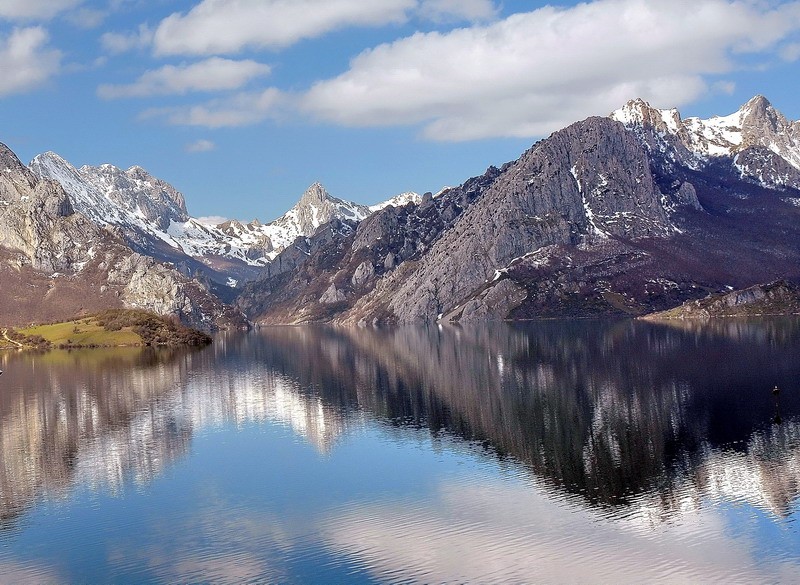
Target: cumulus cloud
[(211, 220), (242, 109), (532, 73), (87, 18), (116, 43), (229, 26), (213, 74), (450, 10), (34, 9), (201, 146), (27, 60), (791, 52)]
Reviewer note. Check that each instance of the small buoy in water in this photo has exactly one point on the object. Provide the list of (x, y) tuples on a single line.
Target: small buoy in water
[(776, 391)]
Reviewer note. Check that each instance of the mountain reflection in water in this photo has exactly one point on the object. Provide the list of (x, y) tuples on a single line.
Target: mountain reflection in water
[(605, 411), (639, 423)]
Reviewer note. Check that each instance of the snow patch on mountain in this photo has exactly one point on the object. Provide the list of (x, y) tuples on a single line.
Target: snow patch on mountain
[(397, 201)]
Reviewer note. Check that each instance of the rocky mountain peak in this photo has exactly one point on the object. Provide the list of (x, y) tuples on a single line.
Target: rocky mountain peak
[(761, 122), (638, 112), (12, 169), (317, 207), (109, 195), (757, 103), (316, 193)]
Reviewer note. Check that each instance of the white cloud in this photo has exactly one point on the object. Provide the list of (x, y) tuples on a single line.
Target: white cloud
[(535, 72), (34, 9), (116, 43), (229, 26), (201, 146), (86, 18), (213, 74), (791, 52), (242, 109), (211, 220), (447, 10), (724, 87), (27, 61)]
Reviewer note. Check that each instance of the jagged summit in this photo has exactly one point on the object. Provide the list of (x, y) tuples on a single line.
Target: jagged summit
[(638, 111), (12, 167), (316, 192), (110, 196), (755, 132)]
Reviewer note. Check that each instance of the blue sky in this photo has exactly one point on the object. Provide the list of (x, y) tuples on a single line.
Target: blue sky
[(241, 104)]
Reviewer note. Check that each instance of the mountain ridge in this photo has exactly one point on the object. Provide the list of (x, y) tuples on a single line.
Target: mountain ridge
[(627, 214), (619, 215), (154, 219)]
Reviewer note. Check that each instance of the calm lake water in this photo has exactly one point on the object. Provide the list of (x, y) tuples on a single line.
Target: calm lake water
[(547, 452)]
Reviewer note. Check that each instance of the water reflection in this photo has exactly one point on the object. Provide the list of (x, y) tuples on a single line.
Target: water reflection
[(75, 416), (606, 412), (646, 426)]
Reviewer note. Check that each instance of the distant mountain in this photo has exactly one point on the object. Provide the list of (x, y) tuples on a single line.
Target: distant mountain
[(623, 215), (153, 218), (55, 263)]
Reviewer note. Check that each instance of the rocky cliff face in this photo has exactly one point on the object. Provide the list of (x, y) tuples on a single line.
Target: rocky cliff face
[(56, 263), (585, 184), (37, 219)]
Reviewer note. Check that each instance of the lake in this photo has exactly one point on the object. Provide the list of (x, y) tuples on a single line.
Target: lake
[(607, 451)]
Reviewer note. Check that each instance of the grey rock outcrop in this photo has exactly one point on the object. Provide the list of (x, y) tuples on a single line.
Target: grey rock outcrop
[(37, 218), (364, 272), (332, 295), (495, 303)]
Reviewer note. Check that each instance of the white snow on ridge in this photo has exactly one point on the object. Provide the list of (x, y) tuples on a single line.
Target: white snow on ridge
[(397, 201), (756, 123), (586, 208), (717, 136)]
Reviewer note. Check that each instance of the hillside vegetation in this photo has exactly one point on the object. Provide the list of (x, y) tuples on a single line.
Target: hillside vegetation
[(110, 328)]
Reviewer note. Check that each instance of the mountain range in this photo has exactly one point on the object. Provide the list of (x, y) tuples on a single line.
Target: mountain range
[(627, 214)]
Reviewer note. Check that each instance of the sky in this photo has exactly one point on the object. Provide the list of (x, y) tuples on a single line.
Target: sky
[(242, 104)]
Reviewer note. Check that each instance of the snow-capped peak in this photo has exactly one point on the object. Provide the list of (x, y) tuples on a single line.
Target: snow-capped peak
[(397, 201), (638, 112), (755, 124)]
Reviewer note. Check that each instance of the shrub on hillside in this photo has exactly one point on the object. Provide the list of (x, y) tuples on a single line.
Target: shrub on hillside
[(152, 328)]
